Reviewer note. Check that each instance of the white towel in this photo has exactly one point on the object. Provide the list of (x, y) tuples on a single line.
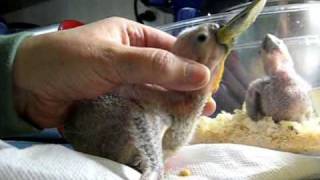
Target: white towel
[(211, 161), (231, 161), (56, 162)]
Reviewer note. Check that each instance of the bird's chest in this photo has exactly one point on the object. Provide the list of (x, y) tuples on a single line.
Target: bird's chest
[(289, 93)]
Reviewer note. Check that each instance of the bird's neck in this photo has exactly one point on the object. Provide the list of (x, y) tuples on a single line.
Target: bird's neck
[(193, 103), (197, 99)]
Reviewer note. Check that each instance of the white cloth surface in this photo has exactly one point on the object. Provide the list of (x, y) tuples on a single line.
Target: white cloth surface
[(211, 161), (231, 161), (56, 162)]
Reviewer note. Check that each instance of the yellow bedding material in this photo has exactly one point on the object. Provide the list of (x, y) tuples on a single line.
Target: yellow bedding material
[(297, 137)]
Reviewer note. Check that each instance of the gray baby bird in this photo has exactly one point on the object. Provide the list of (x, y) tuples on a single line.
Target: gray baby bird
[(141, 126), (282, 94)]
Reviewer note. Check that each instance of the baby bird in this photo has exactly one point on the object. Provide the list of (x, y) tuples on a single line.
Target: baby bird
[(282, 94), (141, 126)]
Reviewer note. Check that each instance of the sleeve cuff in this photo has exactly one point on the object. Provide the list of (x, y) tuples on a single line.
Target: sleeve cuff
[(10, 123)]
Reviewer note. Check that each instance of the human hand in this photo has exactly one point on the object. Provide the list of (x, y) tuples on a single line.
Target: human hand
[(52, 71)]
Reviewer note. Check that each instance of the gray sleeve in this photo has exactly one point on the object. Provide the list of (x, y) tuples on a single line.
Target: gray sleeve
[(10, 123)]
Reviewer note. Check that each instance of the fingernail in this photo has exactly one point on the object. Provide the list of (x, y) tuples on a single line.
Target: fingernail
[(197, 74)]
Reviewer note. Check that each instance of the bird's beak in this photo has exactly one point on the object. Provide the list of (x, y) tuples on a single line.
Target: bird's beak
[(227, 34)]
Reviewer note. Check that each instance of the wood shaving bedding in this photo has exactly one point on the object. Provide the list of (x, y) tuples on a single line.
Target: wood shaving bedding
[(238, 128)]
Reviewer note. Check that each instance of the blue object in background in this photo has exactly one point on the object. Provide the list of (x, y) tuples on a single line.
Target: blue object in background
[(46, 136), (181, 9), (50, 134), (3, 28), (22, 144), (186, 13), (186, 9)]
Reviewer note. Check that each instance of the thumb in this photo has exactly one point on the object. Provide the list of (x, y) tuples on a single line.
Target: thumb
[(139, 65)]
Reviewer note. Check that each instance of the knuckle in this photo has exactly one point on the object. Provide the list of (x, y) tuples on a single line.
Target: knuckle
[(116, 19), (162, 61)]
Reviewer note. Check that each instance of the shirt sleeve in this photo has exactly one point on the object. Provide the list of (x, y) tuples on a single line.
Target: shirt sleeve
[(10, 123)]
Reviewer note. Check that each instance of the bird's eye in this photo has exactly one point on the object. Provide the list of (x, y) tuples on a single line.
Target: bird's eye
[(202, 38)]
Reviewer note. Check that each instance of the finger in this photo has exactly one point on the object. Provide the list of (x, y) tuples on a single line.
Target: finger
[(146, 36), (149, 65), (209, 108)]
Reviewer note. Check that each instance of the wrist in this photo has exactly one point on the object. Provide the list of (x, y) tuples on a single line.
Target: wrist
[(11, 124), (18, 76), (31, 71)]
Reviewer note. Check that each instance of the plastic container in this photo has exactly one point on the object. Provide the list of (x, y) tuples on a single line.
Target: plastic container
[(297, 24)]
